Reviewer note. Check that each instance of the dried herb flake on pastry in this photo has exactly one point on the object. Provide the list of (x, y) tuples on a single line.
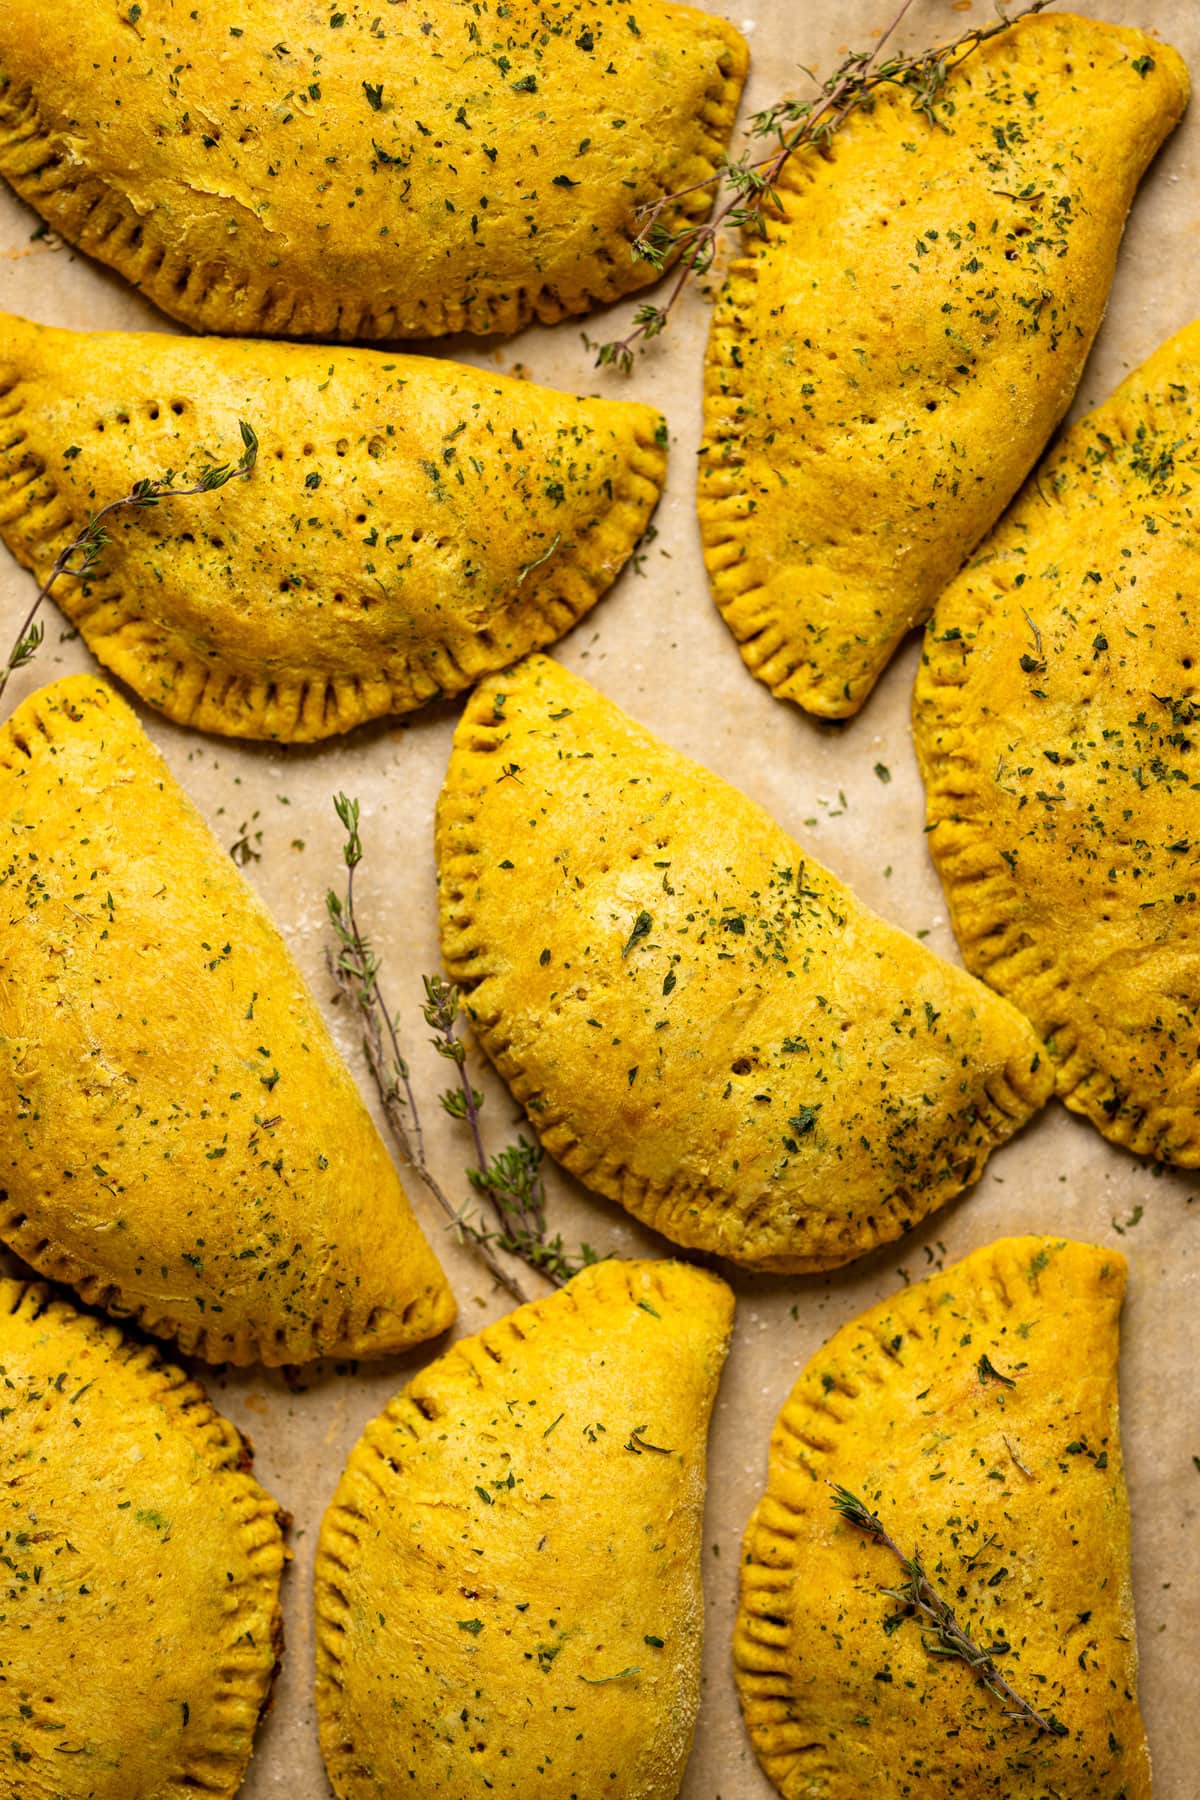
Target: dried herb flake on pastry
[(179, 1139), (140, 1626), (1055, 718), (700, 1021), (410, 523), (974, 1420), (508, 1591), (888, 360), (279, 168)]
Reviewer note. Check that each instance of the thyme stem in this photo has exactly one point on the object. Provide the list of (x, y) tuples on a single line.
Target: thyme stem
[(79, 559), (943, 1634), (747, 189), (510, 1182), (441, 1011), (355, 969)]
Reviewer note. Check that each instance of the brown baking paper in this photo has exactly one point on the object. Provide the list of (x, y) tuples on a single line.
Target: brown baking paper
[(657, 646)]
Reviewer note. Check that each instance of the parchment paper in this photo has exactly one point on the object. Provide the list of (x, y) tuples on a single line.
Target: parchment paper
[(657, 646)]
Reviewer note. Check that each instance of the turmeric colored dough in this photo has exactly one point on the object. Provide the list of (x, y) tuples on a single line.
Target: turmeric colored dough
[(409, 524), (1055, 718), (885, 366), (179, 1139), (975, 1414), (279, 168), (508, 1592), (139, 1597), (700, 1021)]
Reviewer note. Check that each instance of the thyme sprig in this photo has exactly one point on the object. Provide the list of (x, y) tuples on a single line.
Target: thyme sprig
[(80, 558), (943, 1634), (511, 1182), (747, 189)]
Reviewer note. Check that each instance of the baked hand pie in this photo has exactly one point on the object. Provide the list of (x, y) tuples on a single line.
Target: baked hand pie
[(700, 1021), (140, 1627), (179, 1139), (283, 169), (1055, 717), (508, 1592), (887, 361), (409, 524), (975, 1416)]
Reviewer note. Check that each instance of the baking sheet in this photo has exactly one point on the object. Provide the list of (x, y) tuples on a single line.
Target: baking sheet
[(656, 645)]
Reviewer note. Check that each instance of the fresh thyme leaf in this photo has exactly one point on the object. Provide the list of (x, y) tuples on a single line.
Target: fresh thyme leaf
[(244, 849), (805, 1119), (387, 161), (989, 1372), (641, 929), (637, 1443)]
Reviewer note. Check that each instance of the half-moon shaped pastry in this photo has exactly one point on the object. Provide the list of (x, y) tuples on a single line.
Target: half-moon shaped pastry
[(179, 1139), (508, 1592), (410, 523), (139, 1601), (885, 365), (1055, 719), (370, 171), (975, 1415), (700, 1021)]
